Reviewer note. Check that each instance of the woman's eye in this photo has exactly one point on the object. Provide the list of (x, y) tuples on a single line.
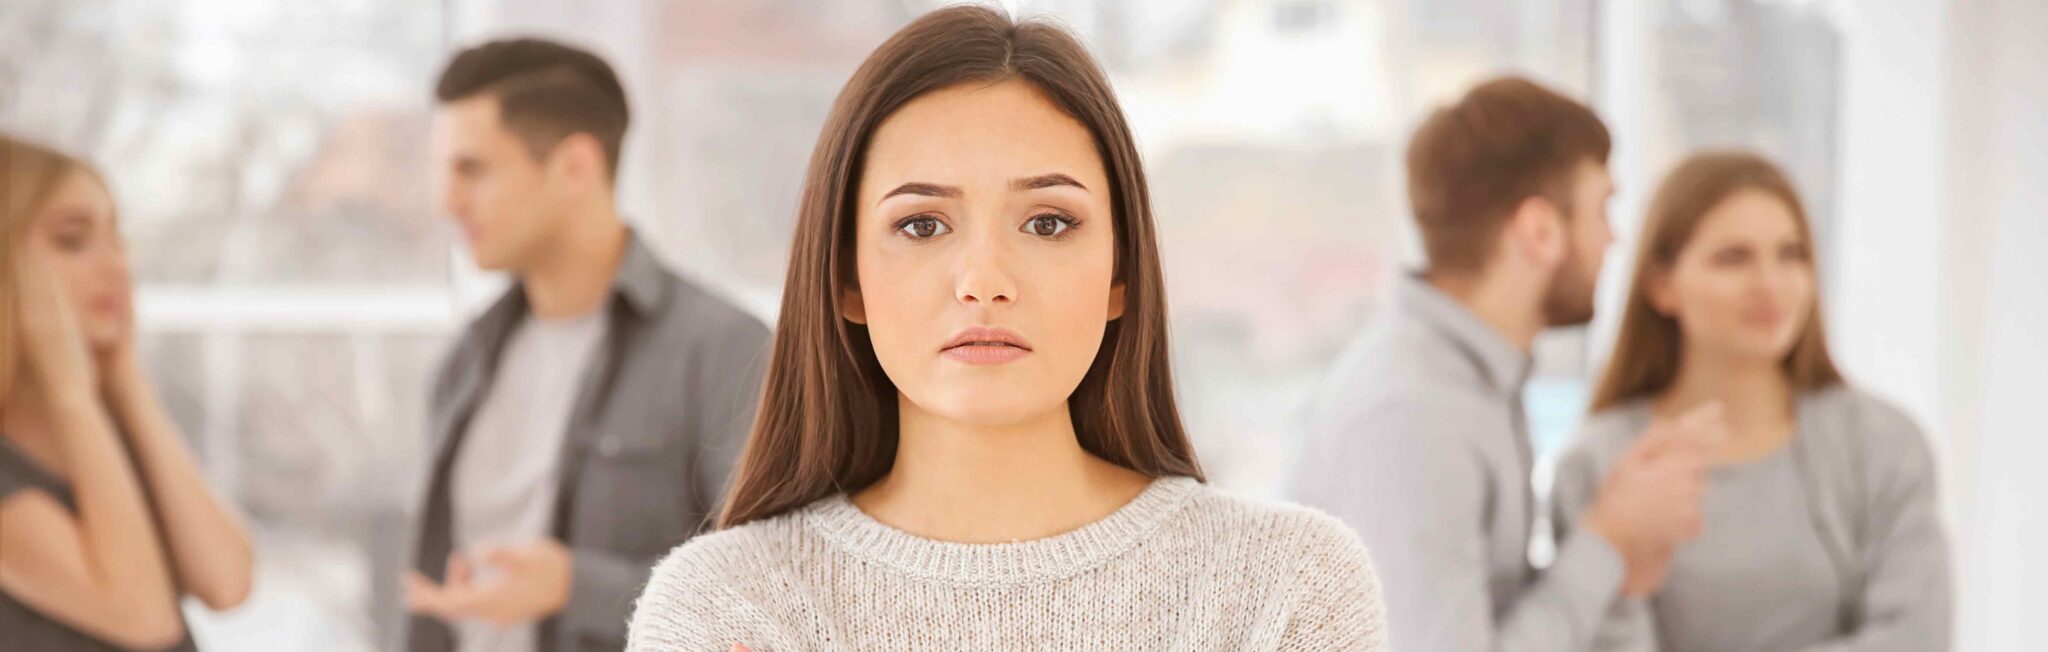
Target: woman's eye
[(1731, 257), (1048, 225), (921, 228), (69, 242)]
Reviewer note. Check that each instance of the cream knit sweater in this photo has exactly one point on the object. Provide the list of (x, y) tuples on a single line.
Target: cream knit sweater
[(1182, 567)]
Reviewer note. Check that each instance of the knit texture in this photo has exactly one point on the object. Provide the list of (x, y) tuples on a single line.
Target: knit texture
[(1181, 567)]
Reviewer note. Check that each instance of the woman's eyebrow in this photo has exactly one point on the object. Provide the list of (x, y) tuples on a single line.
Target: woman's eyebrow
[(1045, 181), (924, 190), (67, 218)]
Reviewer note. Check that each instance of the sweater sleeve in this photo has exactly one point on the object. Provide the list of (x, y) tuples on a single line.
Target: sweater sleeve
[(1628, 625), (1404, 475), (1337, 592), (692, 603), (1905, 600)]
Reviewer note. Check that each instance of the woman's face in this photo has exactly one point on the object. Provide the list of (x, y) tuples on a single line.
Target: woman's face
[(986, 253), (1744, 284), (77, 234)]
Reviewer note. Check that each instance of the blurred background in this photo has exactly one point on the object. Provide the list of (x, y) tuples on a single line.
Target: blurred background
[(297, 281)]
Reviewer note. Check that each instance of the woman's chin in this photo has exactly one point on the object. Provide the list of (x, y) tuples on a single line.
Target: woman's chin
[(106, 340), (1759, 350), (985, 409)]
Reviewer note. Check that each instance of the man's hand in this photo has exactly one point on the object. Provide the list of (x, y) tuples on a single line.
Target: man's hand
[(507, 585), (1650, 501), (1646, 570)]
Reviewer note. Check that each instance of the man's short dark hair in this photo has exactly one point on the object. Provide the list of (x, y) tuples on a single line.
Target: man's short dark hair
[(1471, 163), (546, 91)]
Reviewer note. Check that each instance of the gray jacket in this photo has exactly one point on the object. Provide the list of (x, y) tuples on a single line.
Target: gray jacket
[(1417, 440), (1871, 494), (660, 418)]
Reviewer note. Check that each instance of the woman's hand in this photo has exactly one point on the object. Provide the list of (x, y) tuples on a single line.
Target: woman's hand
[(117, 361), (119, 368), (56, 348)]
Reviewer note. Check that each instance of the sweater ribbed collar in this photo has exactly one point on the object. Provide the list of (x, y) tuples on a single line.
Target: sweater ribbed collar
[(995, 565)]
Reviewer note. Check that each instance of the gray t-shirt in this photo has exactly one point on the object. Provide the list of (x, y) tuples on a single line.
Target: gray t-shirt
[(1831, 545), (507, 474), (22, 628), (1757, 578)]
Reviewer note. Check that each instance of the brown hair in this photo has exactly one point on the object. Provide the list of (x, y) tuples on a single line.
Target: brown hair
[(1471, 163), (546, 92), (1646, 352), (827, 421), (32, 173)]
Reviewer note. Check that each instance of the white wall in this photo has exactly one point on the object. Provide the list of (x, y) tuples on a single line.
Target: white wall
[(1995, 362), (1885, 288), (1940, 302)]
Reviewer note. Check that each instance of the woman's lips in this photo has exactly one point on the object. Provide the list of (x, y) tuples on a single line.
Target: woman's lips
[(106, 305), (986, 345), (985, 353), (1764, 319)]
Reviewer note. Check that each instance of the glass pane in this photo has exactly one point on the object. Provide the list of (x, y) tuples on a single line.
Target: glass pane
[(1753, 74), (278, 147), (246, 141), (320, 439)]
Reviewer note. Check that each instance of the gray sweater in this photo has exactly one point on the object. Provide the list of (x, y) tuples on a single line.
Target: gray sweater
[(1417, 440), (1830, 545), (1181, 567)]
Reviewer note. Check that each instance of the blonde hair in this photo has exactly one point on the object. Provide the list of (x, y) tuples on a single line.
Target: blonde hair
[(29, 175), (1646, 352)]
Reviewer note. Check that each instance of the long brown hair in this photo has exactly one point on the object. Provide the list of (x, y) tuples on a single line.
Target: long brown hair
[(1646, 352), (29, 175), (827, 421)]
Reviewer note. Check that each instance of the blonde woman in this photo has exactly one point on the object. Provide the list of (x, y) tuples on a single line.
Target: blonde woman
[(105, 521)]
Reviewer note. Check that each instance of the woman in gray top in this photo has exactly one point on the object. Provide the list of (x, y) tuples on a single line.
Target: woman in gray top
[(105, 521), (1820, 527)]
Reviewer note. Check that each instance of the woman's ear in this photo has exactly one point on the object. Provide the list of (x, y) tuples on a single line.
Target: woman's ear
[(1116, 301), (852, 307), (1657, 289)]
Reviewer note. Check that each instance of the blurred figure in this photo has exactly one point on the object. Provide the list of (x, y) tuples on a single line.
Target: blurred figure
[(105, 521), (1418, 438), (585, 423), (969, 439), (1820, 524)]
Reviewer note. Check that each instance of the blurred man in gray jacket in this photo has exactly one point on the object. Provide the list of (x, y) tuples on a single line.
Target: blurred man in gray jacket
[(1418, 439), (587, 422)]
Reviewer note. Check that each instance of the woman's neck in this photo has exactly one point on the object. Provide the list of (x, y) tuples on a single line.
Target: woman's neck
[(970, 483), (1755, 395)]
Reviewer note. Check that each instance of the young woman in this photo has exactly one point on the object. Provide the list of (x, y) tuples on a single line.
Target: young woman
[(1820, 527), (104, 519), (968, 438)]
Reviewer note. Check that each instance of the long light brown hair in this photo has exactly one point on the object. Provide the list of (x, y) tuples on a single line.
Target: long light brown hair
[(827, 421), (1646, 352), (29, 175)]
